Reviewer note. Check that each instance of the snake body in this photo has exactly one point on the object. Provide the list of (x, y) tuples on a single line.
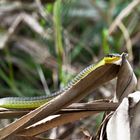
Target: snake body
[(34, 102)]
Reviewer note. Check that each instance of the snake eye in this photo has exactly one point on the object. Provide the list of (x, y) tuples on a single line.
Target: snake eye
[(110, 55), (113, 55), (111, 58)]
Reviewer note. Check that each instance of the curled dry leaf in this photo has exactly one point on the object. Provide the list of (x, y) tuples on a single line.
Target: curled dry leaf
[(126, 80), (125, 124), (134, 115), (118, 125)]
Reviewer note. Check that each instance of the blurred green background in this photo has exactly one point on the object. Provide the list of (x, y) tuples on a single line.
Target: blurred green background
[(44, 44)]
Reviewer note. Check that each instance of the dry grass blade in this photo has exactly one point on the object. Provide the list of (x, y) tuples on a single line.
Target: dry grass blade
[(127, 40), (93, 106), (55, 122), (12, 29), (26, 19), (12, 113), (87, 109), (76, 107), (91, 82), (125, 12), (26, 138)]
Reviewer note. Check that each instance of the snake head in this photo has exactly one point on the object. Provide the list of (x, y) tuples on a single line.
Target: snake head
[(114, 58)]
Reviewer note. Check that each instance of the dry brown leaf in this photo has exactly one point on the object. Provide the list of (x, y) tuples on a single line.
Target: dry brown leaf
[(126, 82), (134, 115), (125, 124), (118, 125), (77, 92)]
